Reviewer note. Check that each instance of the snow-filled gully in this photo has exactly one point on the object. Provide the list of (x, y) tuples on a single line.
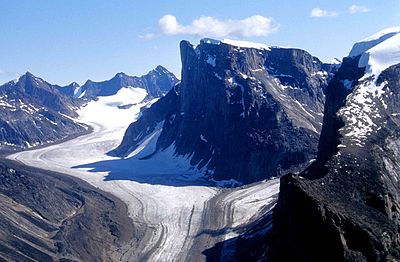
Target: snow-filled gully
[(169, 202)]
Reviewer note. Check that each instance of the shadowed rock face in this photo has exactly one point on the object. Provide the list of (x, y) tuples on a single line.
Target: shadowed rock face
[(72, 89), (345, 207), (243, 113), (157, 83), (33, 112)]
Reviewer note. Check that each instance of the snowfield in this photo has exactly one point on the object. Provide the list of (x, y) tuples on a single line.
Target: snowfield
[(168, 200)]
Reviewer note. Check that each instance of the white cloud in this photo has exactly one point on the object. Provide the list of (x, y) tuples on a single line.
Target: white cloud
[(148, 36), (255, 25), (358, 9), (318, 12)]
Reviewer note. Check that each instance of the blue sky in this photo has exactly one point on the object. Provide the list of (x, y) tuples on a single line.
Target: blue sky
[(65, 41)]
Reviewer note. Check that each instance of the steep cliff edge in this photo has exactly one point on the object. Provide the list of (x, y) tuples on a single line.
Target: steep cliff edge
[(240, 113), (345, 206)]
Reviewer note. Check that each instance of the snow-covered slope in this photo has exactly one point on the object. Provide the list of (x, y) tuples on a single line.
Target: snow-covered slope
[(105, 110), (381, 56), (363, 106), (378, 51), (371, 41)]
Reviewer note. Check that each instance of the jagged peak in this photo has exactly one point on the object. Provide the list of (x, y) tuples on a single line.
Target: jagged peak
[(73, 84), (88, 82), (27, 73), (162, 69), (120, 75), (28, 76)]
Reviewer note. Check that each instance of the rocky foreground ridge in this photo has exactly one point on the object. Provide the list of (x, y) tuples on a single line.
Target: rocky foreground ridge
[(345, 206)]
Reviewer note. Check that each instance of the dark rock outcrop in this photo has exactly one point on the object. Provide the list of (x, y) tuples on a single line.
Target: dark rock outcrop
[(242, 113), (345, 206), (34, 112), (50, 217)]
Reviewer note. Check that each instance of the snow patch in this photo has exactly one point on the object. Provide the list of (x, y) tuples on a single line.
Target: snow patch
[(381, 56), (78, 92), (203, 138), (361, 111), (218, 76), (245, 44), (210, 41), (323, 74), (106, 110), (211, 60)]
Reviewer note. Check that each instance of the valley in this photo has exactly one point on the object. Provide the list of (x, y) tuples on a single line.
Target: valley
[(256, 152), (167, 200)]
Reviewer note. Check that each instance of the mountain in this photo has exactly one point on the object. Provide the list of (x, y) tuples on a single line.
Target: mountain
[(34, 112), (157, 82), (345, 206), (242, 111), (72, 89)]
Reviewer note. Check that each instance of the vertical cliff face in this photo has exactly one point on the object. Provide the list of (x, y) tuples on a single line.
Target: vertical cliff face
[(345, 207), (244, 113)]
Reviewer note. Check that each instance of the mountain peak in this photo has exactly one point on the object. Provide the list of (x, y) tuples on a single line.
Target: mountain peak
[(74, 84), (372, 41), (120, 75), (28, 76), (27, 73), (160, 68), (379, 51)]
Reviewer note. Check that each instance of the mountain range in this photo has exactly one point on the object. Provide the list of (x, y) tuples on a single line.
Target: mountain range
[(34, 112), (196, 161)]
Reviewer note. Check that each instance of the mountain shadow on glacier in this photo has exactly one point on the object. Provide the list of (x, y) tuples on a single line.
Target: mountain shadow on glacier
[(122, 169)]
